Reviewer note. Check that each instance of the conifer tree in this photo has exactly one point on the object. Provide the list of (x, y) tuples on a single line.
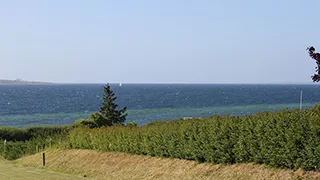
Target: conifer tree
[(108, 114)]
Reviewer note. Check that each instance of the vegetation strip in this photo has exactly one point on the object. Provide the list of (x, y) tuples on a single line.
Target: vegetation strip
[(284, 139)]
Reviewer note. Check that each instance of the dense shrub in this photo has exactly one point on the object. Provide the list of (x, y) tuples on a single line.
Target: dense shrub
[(286, 139), (13, 134), (132, 124), (47, 131), (25, 141), (17, 149), (17, 134)]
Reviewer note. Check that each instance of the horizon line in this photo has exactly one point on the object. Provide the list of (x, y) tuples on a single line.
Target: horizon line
[(190, 83)]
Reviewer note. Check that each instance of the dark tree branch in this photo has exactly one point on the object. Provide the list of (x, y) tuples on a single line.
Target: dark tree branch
[(316, 56)]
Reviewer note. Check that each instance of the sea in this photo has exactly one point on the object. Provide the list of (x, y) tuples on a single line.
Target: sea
[(62, 104)]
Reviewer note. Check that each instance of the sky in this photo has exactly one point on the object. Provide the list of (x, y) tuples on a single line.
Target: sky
[(167, 41)]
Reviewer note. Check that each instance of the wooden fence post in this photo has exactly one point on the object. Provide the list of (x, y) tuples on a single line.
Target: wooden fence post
[(43, 159)]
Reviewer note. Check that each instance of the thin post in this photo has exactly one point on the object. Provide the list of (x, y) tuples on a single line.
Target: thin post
[(37, 148), (301, 101), (43, 159), (4, 148)]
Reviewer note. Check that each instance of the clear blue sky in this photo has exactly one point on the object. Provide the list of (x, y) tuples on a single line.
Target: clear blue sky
[(166, 41)]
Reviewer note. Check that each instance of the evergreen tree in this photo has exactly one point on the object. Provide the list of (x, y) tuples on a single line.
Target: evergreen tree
[(108, 114)]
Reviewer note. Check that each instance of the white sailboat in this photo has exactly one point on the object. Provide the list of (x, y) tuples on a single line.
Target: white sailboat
[(120, 84)]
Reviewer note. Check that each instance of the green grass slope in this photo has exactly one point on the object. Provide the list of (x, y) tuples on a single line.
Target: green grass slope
[(114, 165), (9, 171)]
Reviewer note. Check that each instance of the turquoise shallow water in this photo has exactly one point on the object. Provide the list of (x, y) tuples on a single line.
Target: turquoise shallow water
[(144, 116)]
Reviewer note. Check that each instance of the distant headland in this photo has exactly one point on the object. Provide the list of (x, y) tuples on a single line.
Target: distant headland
[(20, 81)]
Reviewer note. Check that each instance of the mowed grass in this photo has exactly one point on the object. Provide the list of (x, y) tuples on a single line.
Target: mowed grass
[(112, 165), (9, 171)]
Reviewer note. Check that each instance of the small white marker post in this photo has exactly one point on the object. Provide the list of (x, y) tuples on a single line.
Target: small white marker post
[(301, 101), (4, 148)]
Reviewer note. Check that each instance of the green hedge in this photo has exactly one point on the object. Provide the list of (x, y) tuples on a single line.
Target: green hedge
[(286, 139), (16, 149), (13, 134), (47, 131), (24, 141), (17, 134)]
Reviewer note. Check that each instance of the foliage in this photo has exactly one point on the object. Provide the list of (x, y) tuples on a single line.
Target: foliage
[(17, 134), (17, 149), (132, 124), (316, 57), (24, 141), (86, 122), (47, 131), (13, 134), (286, 139), (79, 123), (108, 114)]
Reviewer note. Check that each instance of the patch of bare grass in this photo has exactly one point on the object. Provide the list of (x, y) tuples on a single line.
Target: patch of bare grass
[(112, 165)]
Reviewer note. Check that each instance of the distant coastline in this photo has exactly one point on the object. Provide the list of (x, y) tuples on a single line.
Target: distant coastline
[(20, 81)]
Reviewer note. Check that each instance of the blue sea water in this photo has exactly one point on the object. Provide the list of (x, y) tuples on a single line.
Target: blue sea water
[(30, 105)]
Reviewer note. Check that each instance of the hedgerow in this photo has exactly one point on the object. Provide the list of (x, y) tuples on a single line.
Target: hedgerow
[(20, 142), (285, 139)]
